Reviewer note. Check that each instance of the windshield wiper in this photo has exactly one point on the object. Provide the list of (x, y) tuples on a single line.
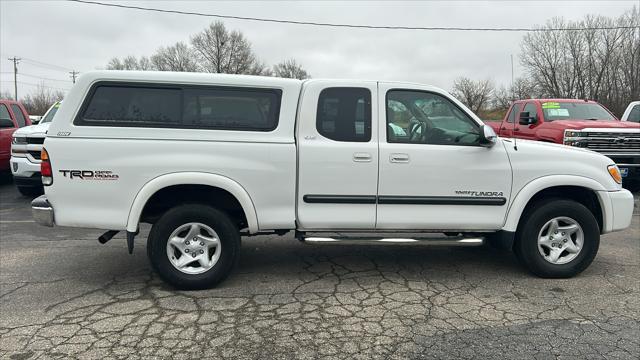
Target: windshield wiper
[(592, 119)]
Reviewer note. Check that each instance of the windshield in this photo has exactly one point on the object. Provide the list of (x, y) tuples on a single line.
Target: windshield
[(50, 113), (574, 111)]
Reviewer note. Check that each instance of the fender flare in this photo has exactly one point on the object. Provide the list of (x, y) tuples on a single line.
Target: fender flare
[(192, 178), (522, 198)]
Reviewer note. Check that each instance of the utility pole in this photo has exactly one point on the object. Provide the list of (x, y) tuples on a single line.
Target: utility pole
[(15, 60), (73, 74)]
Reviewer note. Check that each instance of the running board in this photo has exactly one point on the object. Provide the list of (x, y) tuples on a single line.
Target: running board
[(430, 241)]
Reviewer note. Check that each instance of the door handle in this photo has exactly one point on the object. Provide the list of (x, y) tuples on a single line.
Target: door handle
[(399, 158), (517, 129), (503, 128), (361, 157)]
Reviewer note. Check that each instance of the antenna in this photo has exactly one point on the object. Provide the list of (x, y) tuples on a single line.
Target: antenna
[(516, 117)]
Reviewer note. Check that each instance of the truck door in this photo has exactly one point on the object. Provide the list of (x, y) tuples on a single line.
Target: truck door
[(506, 128), (528, 131), (337, 155), (433, 172)]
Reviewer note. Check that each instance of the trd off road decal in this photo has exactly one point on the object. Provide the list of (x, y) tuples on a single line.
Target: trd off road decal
[(479, 193), (89, 174)]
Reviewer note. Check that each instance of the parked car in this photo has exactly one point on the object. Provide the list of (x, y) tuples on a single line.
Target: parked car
[(580, 123), (208, 158), (12, 116), (632, 113), (25, 154)]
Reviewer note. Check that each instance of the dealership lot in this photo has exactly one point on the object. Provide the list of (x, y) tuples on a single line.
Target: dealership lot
[(65, 295)]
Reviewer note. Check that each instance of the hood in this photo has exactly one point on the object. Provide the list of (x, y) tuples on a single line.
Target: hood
[(592, 124), (33, 130), (537, 159)]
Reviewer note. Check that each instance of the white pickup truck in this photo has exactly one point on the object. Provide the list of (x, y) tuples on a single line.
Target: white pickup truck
[(209, 158)]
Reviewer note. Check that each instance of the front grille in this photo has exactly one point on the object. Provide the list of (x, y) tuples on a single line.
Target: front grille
[(35, 154), (35, 140), (606, 141)]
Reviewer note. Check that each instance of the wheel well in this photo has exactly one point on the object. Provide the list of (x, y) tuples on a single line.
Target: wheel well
[(171, 196), (584, 196)]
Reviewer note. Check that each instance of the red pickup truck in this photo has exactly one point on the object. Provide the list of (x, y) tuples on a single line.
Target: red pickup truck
[(12, 116), (581, 123)]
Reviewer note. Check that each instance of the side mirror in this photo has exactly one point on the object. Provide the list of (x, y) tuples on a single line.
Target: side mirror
[(6, 123), (488, 137), (527, 119)]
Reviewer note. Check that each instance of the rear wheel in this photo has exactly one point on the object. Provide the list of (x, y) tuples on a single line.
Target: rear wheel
[(193, 246), (557, 239)]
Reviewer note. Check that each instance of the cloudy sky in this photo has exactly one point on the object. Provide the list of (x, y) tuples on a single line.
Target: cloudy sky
[(54, 37)]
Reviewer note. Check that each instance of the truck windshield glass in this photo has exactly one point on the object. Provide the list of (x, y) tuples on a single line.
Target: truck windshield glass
[(50, 114), (554, 111)]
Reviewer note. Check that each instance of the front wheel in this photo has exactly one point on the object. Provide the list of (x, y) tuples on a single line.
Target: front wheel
[(193, 246), (557, 239)]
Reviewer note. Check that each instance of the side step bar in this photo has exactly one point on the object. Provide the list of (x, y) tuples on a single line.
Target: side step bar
[(430, 241)]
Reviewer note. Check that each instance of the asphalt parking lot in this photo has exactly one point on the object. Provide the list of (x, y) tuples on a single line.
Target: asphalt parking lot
[(65, 295)]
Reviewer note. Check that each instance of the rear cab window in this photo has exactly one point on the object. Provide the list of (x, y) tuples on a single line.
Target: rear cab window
[(192, 107), (344, 114)]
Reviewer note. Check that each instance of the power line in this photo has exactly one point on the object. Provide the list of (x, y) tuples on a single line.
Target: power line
[(36, 76), (311, 23), (45, 65), (49, 87)]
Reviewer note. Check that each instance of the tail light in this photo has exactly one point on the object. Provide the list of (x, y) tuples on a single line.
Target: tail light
[(45, 168)]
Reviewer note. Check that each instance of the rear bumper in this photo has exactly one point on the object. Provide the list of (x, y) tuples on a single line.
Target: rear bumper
[(42, 211), (34, 181)]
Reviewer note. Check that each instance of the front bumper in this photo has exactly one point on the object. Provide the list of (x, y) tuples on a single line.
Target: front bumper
[(42, 211), (23, 167), (621, 209)]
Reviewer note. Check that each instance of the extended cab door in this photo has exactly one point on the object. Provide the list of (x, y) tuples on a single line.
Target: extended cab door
[(433, 172), (337, 155)]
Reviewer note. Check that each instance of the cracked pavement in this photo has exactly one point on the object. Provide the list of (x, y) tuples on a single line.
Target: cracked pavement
[(63, 295)]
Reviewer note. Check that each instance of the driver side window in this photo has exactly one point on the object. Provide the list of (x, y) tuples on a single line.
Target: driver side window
[(419, 117)]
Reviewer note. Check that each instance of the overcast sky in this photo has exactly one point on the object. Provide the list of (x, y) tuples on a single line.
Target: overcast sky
[(84, 37)]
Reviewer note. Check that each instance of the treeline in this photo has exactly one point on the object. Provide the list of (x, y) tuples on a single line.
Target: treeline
[(214, 50), (598, 64)]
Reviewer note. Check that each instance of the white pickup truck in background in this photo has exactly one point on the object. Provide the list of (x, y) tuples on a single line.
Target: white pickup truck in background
[(26, 148), (632, 113), (207, 158)]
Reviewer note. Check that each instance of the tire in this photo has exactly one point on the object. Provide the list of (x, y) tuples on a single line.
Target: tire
[(163, 254), (30, 191), (538, 258)]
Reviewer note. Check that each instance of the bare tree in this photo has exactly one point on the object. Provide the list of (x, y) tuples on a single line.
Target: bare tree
[(6, 95), (223, 51), (38, 101), (290, 69), (521, 89), (130, 63), (474, 94), (178, 57), (600, 64)]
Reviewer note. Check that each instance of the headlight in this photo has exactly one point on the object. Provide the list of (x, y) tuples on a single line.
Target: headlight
[(572, 134), (19, 140), (615, 173)]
